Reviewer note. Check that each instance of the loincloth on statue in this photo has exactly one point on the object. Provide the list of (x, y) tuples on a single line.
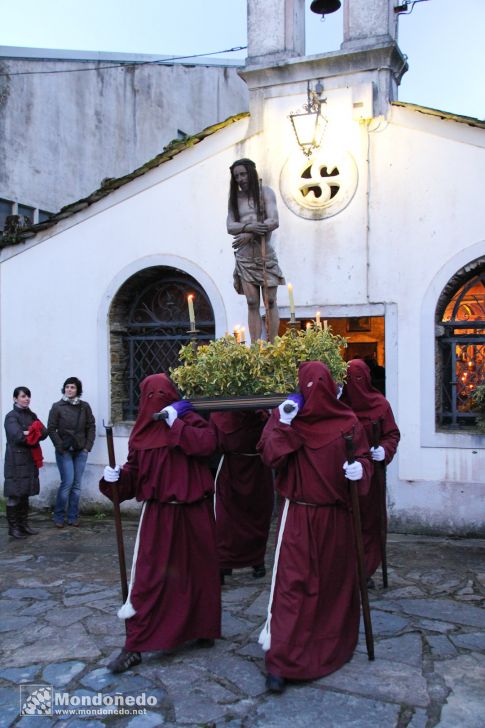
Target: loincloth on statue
[(249, 267)]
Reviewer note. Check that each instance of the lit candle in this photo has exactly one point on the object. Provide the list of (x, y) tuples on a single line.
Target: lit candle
[(190, 301), (325, 324), (292, 300), (308, 325), (317, 318), (242, 335), (236, 333)]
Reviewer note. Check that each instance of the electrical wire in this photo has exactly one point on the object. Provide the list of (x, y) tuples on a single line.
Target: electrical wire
[(158, 61)]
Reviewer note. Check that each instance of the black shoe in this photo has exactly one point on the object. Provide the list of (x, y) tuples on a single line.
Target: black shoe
[(275, 684), (124, 661), (259, 571), (371, 583), (204, 642), (23, 523), (27, 529), (13, 519)]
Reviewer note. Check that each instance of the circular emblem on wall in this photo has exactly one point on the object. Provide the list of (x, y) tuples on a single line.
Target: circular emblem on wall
[(321, 186)]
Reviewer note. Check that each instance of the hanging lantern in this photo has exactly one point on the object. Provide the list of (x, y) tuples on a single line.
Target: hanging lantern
[(310, 123)]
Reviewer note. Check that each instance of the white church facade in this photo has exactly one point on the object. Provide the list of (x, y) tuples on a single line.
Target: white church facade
[(382, 230)]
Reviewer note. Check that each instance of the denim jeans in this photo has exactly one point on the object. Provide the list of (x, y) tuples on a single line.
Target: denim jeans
[(71, 468)]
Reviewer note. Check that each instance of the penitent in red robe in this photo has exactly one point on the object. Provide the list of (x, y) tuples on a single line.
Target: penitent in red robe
[(315, 611), (176, 591), (371, 406), (244, 490)]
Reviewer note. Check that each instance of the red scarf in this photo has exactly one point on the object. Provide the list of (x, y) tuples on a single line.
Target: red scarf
[(34, 433)]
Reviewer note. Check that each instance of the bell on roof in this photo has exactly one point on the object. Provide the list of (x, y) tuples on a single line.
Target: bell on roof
[(325, 7)]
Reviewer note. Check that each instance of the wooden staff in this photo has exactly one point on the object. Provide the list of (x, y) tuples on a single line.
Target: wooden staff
[(261, 217), (364, 596), (117, 514), (380, 471)]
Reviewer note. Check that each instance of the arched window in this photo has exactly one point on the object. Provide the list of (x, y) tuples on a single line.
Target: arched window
[(460, 318), (149, 322)]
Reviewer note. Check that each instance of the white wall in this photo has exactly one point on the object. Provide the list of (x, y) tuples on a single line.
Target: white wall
[(62, 133), (416, 212), (56, 324), (427, 221)]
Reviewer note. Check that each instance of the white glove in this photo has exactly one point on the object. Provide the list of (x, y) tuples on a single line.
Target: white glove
[(172, 414), (111, 475), (378, 453), (353, 471), (287, 417)]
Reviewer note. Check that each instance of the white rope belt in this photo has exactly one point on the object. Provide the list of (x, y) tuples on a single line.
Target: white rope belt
[(215, 483), (127, 610), (265, 635)]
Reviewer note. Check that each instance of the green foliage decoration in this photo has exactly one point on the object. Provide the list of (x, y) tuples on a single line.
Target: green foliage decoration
[(479, 400), (224, 368)]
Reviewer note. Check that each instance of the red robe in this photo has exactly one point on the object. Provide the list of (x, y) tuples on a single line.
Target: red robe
[(315, 610), (244, 490), (176, 591), (371, 406)]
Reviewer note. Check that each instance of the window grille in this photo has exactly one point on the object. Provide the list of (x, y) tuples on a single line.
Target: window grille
[(157, 326), (461, 353)]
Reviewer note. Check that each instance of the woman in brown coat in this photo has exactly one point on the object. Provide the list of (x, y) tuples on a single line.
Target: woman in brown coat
[(72, 429)]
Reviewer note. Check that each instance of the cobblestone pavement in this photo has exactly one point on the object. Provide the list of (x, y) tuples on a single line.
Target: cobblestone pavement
[(59, 628)]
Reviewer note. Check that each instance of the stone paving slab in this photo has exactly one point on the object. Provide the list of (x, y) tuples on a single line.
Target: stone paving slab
[(66, 617), (470, 640), (391, 681), (465, 676), (59, 594), (444, 609), (407, 649), (242, 675), (306, 707)]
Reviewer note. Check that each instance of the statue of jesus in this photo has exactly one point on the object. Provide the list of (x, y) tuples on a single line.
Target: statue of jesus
[(252, 216)]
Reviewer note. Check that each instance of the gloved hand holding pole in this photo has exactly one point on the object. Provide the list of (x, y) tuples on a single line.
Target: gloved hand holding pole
[(359, 546), (380, 471), (117, 513)]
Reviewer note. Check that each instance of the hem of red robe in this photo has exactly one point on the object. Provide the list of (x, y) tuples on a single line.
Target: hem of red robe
[(301, 672), (157, 645), (372, 560), (255, 559)]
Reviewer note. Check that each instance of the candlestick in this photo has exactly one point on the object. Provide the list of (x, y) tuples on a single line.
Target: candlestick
[(292, 300), (193, 335), (293, 324), (190, 302)]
